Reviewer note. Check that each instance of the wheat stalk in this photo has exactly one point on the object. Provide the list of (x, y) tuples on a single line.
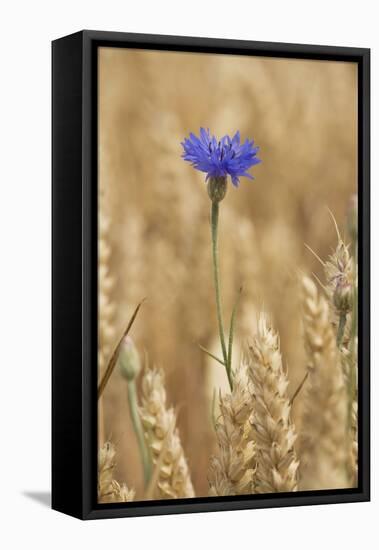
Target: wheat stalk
[(324, 420), (108, 489), (232, 470), (162, 435), (273, 429), (341, 277)]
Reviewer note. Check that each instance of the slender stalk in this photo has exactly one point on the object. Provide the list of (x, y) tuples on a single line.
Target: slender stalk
[(138, 430), (214, 227), (341, 329)]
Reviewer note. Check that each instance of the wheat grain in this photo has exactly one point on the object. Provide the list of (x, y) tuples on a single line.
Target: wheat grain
[(353, 455), (325, 409), (121, 493), (232, 470), (108, 489), (105, 309), (273, 429), (162, 435)]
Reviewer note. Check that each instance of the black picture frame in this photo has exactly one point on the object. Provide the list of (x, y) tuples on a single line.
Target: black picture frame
[(74, 272)]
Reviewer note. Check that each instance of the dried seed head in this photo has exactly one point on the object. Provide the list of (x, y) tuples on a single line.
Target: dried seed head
[(273, 429), (162, 436), (343, 297), (106, 465), (108, 489), (106, 309), (232, 471), (324, 423), (121, 493), (339, 276), (353, 458)]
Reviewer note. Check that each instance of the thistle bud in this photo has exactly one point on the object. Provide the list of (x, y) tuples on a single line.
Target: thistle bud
[(128, 359), (343, 297), (217, 188)]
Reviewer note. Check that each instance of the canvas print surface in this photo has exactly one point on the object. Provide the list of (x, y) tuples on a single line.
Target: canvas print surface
[(227, 275)]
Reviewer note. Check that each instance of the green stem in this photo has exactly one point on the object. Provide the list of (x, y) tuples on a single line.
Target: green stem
[(138, 430), (341, 329), (214, 226)]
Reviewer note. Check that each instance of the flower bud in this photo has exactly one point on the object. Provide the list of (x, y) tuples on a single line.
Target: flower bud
[(343, 297), (217, 188), (128, 359)]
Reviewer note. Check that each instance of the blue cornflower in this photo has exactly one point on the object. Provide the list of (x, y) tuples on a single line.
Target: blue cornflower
[(220, 158)]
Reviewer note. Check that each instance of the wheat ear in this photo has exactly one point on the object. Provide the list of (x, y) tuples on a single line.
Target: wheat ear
[(339, 275), (353, 459), (349, 361), (106, 310), (232, 471), (108, 489), (339, 269), (325, 411), (273, 429), (162, 435)]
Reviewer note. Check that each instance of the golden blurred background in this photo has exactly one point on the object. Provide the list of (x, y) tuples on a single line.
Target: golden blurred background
[(154, 233)]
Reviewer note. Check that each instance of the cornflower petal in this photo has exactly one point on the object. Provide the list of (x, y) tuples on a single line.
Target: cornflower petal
[(220, 158)]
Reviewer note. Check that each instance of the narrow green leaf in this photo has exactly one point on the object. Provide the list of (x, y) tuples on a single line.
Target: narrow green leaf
[(211, 355), (113, 359), (299, 387), (231, 334)]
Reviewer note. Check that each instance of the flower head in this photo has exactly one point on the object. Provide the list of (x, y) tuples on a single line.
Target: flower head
[(220, 158)]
